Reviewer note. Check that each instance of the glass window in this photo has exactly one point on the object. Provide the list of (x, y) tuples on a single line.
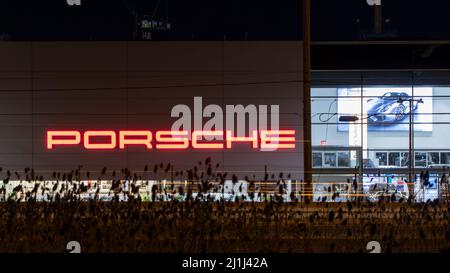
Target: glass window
[(445, 158), (317, 159), (329, 160), (433, 158), (394, 159), (344, 159), (383, 102), (381, 158), (404, 159), (421, 159)]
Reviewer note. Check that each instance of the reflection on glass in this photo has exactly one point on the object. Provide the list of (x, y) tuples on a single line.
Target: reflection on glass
[(384, 134), (405, 159), (329, 160), (317, 159), (445, 158), (344, 159), (394, 159), (421, 159), (433, 158), (368, 163), (382, 158)]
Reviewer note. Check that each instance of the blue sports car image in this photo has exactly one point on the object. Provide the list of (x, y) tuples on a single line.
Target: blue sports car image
[(390, 108)]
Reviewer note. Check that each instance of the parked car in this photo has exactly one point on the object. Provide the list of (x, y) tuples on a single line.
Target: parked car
[(386, 190)]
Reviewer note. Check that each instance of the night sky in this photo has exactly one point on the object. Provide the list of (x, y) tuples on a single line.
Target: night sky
[(214, 19)]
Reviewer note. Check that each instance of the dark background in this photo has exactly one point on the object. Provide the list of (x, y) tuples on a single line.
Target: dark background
[(214, 19)]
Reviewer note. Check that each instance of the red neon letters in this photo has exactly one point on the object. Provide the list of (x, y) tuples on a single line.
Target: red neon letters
[(62, 138), (201, 134), (89, 135), (108, 140), (135, 138), (172, 140)]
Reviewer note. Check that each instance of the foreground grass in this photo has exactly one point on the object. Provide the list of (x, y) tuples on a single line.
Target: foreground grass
[(173, 227)]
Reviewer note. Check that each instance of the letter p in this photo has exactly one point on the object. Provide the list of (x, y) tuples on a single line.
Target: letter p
[(62, 138)]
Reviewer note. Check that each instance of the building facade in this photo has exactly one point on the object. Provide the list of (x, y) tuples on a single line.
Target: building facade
[(123, 86)]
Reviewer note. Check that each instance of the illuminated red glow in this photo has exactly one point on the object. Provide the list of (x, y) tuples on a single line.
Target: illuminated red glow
[(135, 138), (172, 139), (62, 138), (201, 134), (89, 144), (108, 140)]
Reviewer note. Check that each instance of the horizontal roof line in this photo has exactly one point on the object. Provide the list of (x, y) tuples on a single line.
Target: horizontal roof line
[(405, 42)]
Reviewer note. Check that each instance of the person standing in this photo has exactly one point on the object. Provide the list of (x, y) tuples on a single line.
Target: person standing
[(426, 179)]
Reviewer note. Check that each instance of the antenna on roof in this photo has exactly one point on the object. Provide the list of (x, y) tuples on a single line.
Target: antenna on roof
[(146, 22)]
